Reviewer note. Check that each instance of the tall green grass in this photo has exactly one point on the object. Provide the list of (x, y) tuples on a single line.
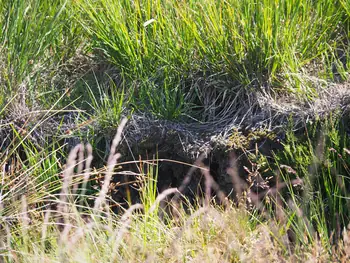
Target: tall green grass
[(169, 52), (35, 36), (317, 211), (260, 38), (254, 43)]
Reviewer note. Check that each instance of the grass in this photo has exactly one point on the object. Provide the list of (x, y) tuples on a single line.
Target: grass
[(71, 69), (171, 56), (34, 34), (108, 108), (45, 213), (270, 43)]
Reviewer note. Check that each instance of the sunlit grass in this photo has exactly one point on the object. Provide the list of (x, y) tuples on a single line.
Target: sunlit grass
[(179, 61), (45, 214)]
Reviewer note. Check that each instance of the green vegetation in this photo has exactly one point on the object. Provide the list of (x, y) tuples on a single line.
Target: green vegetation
[(173, 57), (70, 70), (45, 215)]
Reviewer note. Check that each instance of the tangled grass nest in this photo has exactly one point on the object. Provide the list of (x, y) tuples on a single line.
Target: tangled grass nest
[(224, 107), (259, 110)]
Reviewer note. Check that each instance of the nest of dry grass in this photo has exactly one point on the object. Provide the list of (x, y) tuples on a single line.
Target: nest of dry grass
[(224, 110), (258, 110)]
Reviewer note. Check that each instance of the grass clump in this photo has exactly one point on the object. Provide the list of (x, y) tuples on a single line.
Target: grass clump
[(265, 43), (199, 60), (107, 105), (144, 37), (32, 33)]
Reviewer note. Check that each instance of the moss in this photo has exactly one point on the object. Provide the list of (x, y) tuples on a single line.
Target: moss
[(238, 140)]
